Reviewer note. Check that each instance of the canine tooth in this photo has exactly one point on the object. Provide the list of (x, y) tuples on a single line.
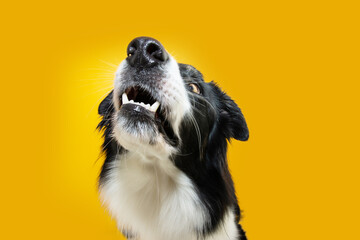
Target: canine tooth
[(155, 106), (125, 99), (132, 101)]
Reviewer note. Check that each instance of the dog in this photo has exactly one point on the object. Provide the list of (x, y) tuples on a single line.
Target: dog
[(165, 174)]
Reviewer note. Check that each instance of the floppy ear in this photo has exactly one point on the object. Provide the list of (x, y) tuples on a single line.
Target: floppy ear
[(236, 122), (232, 120), (106, 106)]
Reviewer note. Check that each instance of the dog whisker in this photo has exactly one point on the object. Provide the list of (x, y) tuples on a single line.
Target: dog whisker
[(109, 64), (97, 102), (182, 155), (197, 129), (95, 83), (102, 70), (99, 90)]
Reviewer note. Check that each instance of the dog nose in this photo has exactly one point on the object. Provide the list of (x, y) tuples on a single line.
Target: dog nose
[(146, 52)]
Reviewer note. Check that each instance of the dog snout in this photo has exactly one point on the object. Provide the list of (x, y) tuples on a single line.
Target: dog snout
[(146, 52)]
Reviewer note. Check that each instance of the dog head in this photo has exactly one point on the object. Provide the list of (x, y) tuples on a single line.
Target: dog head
[(163, 109)]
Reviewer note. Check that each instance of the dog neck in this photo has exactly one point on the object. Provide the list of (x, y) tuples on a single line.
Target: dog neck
[(151, 194)]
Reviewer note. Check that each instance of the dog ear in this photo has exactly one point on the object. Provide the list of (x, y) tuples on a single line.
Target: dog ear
[(106, 106), (232, 120), (236, 121)]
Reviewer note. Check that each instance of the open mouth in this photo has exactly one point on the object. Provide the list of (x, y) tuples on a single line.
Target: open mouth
[(141, 97)]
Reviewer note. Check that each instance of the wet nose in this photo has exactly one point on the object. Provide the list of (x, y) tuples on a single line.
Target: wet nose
[(146, 52)]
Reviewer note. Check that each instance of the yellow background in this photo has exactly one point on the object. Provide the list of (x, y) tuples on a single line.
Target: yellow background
[(292, 66)]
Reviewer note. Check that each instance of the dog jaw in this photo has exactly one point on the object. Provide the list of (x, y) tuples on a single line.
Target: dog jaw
[(142, 134)]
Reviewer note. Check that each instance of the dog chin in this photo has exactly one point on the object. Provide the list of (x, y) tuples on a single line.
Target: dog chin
[(142, 137)]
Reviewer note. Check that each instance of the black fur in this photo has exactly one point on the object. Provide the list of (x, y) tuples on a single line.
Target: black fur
[(202, 158), (219, 119)]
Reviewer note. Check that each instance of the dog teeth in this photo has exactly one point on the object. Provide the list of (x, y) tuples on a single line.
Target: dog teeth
[(155, 106), (125, 99), (149, 107)]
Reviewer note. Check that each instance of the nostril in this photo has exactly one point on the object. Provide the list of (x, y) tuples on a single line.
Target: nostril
[(145, 52), (159, 55), (152, 48), (155, 51)]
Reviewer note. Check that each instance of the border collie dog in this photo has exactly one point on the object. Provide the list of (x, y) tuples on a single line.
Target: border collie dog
[(165, 175)]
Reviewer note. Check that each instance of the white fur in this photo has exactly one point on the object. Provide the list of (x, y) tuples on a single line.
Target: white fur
[(156, 201), (140, 141)]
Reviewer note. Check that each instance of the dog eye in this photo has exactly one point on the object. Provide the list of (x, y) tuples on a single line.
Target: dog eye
[(194, 88)]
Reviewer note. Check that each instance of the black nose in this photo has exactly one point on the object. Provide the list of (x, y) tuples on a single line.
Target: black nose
[(146, 52)]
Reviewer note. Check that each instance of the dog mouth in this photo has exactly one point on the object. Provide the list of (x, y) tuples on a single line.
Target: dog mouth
[(142, 102), (142, 98)]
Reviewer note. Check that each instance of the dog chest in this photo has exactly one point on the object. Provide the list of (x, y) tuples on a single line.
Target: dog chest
[(151, 200)]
